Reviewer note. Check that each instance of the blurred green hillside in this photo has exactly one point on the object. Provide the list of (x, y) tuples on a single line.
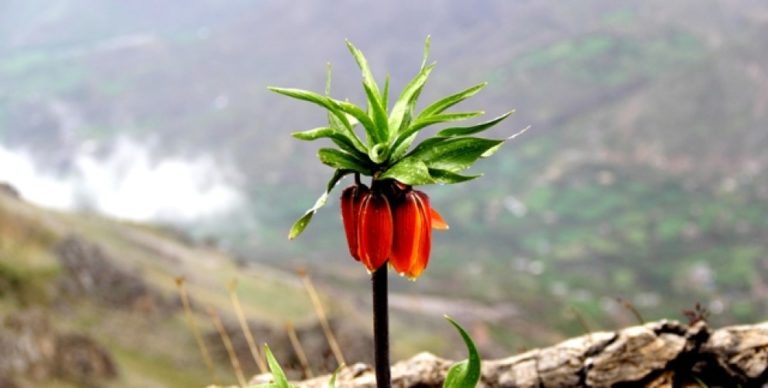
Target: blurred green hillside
[(643, 177)]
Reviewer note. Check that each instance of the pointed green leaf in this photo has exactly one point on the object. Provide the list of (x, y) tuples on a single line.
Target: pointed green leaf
[(409, 110), (385, 95), (447, 102), (453, 154), (403, 111), (408, 98), (328, 77), (280, 381), (493, 150), (410, 171), (334, 122), (314, 134), (332, 382), (375, 103), (406, 138), (314, 98), (368, 79), (400, 147), (441, 118), (342, 160), (464, 131), (378, 116), (326, 132), (427, 45), (370, 128), (298, 227), (447, 177), (327, 103), (464, 374), (301, 224)]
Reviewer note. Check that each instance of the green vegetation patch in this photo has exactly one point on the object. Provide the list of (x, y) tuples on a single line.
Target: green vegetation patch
[(607, 58)]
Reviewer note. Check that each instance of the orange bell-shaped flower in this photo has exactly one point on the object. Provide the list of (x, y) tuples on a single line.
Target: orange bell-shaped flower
[(390, 221), (374, 235), (351, 199), (412, 243)]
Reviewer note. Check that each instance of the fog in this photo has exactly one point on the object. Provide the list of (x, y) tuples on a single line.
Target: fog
[(127, 183)]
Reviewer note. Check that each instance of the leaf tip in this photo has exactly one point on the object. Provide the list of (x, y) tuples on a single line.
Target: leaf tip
[(518, 133)]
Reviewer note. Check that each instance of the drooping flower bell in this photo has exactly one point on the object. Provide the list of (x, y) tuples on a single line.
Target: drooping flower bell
[(351, 198), (374, 230), (391, 222)]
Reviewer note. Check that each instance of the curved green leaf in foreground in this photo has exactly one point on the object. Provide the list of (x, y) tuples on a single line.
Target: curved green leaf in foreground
[(464, 374)]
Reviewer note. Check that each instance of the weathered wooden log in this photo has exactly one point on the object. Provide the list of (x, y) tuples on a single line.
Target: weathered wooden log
[(657, 354)]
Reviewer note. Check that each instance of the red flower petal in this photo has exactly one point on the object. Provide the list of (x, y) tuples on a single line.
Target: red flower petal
[(437, 220), (351, 199), (375, 231), (412, 235)]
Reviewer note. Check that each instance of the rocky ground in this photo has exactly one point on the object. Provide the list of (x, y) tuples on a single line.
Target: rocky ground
[(657, 354)]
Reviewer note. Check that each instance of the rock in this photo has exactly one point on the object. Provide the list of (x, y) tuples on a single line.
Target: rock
[(741, 350), (657, 354), (30, 347), (560, 365), (80, 359), (28, 344), (88, 271), (424, 370), (633, 355), (9, 190)]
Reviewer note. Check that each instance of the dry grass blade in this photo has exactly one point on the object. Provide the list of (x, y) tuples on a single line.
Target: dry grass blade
[(320, 312), (228, 345), (631, 307), (296, 344), (180, 284), (244, 327)]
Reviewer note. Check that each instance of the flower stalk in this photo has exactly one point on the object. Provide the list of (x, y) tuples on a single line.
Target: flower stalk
[(381, 327)]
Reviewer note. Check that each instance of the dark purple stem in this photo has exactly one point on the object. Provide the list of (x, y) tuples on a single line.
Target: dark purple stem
[(381, 327)]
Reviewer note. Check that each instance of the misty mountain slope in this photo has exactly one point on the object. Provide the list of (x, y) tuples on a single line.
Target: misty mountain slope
[(114, 284)]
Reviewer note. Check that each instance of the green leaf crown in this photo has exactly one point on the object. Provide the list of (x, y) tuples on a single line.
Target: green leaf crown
[(386, 152)]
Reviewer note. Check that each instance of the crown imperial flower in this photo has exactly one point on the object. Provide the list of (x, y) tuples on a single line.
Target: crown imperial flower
[(391, 221)]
